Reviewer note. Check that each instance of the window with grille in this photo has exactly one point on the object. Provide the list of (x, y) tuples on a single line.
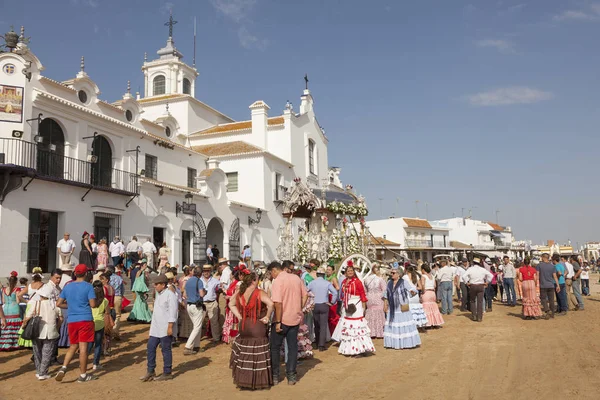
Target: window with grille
[(187, 86), (311, 157), (159, 85), (232, 181), (191, 183), (106, 226), (278, 195), (151, 167)]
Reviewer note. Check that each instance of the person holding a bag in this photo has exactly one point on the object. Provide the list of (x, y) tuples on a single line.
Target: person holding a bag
[(194, 292), (400, 330), (41, 322), (99, 312)]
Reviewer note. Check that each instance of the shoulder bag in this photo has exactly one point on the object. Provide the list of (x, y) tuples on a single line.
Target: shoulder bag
[(31, 328)]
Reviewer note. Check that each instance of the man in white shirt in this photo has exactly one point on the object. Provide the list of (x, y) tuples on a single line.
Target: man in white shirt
[(225, 274), (446, 278), (149, 249), (116, 250), (66, 247), (477, 278), (133, 251), (509, 282), (209, 254)]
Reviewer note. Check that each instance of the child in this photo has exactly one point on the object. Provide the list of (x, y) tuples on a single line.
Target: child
[(23, 304), (98, 313)]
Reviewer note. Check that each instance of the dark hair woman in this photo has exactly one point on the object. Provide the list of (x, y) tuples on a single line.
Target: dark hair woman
[(250, 355), (412, 277), (85, 254), (230, 329), (434, 317), (9, 336)]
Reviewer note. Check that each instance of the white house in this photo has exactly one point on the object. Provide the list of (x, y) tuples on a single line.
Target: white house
[(163, 164)]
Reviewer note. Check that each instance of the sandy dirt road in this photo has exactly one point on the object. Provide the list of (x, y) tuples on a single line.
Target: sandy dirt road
[(503, 357)]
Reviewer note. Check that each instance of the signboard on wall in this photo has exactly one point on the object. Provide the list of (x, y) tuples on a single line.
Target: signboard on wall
[(11, 103)]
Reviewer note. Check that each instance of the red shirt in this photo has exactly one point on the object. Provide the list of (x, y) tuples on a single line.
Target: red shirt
[(528, 272), (354, 287)]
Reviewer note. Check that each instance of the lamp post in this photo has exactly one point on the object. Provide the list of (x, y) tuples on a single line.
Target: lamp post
[(187, 207), (258, 217)]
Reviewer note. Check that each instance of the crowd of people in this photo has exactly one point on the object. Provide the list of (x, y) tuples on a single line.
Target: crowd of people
[(271, 312)]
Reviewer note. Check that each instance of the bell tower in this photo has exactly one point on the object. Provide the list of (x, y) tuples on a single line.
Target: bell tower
[(168, 75)]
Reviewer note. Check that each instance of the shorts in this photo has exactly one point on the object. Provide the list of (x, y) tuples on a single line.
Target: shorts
[(81, 332)]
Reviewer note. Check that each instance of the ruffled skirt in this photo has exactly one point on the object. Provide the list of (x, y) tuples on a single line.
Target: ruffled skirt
[(9, 336), (432, 311), (229, 327), (376, 320), (250, 362), (140, 311), (531, 302), (305, 349), (402, 333), (353, 333), (418, 314)]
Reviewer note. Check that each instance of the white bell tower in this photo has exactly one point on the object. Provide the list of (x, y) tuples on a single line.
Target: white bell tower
[(168, 75)]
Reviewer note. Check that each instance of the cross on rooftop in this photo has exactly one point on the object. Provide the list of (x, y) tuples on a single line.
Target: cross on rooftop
[(170, 24)]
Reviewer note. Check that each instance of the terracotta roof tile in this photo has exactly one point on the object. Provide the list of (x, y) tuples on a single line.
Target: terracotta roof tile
[(459, 245), (227, 149), (496, 227), (382, 241), (237, 126), (206, 172), (416, 223), (159, 98)]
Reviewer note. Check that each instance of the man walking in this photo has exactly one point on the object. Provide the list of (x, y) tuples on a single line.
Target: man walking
[(561, 293), (66, 247), (289, 296), (149, 250), (209, 254), (446, 278), (164, 317), (117, 284), (194, 292), (78, 298), (465, 304), (211, 284), (225, 274), (321, 289), (134, 251), (116, 250), (246, 254), (575, 297), (477, 278), (548, 285), (509, 282)]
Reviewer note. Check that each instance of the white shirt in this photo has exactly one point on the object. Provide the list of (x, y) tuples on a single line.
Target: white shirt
[(49, 314), (429, 283), (165, 312), (133, 246), (116, 249), (459, 272), (477, 275), (585, 272), (94, 247), (209, 253), (570, 270), (149, 247), (225, 278), (66, 246), (445, 274), (64, 279), (509, 271)]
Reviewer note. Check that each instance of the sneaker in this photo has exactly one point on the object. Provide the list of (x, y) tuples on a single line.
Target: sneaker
[(97, 367), (43, 377), (148, 377), (275, 380), (164, 377), (61, 374), (189, 352), (87, 378), (291, 379), (562, 313)]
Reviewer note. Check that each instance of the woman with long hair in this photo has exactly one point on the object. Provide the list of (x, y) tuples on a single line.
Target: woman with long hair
[(102, 258), (230, 328), (86, 253), (353, 332), (428, 299), (9, 335), (250, 360), (140, 311), (30, 292), (412, 277), (163, 256), (528, 277), (400, 328), (375, 288)]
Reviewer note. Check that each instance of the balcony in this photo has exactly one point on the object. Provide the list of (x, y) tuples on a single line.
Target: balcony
[(44, 164), (419, 244)]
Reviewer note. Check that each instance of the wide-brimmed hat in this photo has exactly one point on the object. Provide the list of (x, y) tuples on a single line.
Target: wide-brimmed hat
[(207, 267), (477, 260), (223, 260), (170, 275), (321, 270)]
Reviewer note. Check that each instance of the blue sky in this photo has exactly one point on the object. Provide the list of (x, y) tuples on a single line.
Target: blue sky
[(481, 105)]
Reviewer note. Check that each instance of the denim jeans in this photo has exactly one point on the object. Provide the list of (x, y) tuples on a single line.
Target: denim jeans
[(166, 343), (116, 260), (561, 298), (446, 289), (290, 334), (465, 304), (97, 345), (585, 286), (547, 298), (576, 285), (509, 287), (488, 295)]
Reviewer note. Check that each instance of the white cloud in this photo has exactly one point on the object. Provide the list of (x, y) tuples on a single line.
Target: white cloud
[(91, 3), (250, 41), (236, 10), (503, 46), (509, 96), (593, 14)]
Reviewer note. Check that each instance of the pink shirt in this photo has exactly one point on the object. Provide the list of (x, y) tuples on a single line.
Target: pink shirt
[(288, 290)]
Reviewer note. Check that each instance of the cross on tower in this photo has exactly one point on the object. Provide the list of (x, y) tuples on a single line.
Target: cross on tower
[(306, 80), (170, 24)]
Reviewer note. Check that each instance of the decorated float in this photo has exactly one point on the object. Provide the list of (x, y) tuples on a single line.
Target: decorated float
[(326, 224)]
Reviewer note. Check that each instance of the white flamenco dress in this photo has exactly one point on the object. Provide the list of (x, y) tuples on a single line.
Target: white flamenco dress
[(352, 332)]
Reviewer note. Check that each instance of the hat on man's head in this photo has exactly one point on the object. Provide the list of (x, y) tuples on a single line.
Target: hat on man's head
[(80, 269), (223, 260), (170, 275), (207, 267), (320, 270), (162, 278), (464, 259), (477, 260)]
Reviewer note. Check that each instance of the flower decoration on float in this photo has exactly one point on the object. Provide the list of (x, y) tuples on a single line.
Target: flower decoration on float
[(297, 180)]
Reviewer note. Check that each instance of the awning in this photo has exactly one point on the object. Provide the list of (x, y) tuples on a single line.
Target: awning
[(331, 196), (496, 234)]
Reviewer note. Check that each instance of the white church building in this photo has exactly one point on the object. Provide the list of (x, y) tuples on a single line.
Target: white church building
[(162, 165)]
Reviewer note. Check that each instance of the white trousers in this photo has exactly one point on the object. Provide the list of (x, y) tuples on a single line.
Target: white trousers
[(197, 316)]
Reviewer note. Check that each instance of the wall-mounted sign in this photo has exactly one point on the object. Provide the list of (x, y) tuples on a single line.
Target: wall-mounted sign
[(11, 103), (8, 69)]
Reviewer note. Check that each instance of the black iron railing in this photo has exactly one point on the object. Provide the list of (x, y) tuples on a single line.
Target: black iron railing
[(51, 164)]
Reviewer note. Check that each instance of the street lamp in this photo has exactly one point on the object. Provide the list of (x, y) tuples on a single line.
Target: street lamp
[(187, 207), (258, 217)]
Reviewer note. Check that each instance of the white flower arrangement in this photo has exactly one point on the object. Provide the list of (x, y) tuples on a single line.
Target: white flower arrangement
[(335, 245), (302, 253), (337, 207)]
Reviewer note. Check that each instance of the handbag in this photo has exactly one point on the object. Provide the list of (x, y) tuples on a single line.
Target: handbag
[(199, 303), (31, 329), (351, 309), (404, 307)]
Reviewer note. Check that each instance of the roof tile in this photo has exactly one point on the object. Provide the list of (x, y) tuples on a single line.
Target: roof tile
[(417, 223), (227, 149), (237, 126)]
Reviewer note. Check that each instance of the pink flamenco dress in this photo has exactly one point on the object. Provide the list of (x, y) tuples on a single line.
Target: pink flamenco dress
[(432, 311), (231, 322), (305, 349), (375, 316)]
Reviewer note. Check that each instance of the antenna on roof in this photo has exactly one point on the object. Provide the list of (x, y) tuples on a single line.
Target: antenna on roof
[(194, 61)]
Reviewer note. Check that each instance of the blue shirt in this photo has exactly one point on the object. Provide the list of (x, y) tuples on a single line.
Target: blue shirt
[(211, 288), (117, 283), (321, 289), (191, 291), (247, 253), (560, 268), (78, 296)]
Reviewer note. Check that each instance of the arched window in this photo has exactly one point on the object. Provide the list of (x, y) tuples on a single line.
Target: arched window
[(159, 85), (102, 167), (311, 157), (51, 149), (187, 86)]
